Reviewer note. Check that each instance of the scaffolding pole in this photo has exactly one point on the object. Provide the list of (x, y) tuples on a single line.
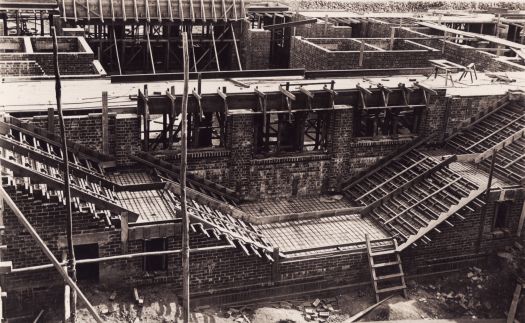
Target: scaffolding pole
[(183, 159), (67, 191)]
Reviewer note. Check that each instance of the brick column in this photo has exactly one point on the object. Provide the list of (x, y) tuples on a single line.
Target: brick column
[(239, 132), (340, 137), (127, 137)]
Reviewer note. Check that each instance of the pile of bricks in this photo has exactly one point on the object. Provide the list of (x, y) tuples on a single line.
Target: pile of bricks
[(319, 310)]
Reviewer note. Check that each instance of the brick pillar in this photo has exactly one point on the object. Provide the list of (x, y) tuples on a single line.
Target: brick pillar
[(127, 137), (240, 143), (433, 118), (340, 137)]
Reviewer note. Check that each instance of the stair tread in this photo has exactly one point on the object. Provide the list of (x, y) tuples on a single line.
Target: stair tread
[(391, 289), (385, 277), (385, 264)]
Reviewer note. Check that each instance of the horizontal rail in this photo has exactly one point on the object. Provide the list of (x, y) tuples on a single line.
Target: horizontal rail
[(121, 257), (206, 75)]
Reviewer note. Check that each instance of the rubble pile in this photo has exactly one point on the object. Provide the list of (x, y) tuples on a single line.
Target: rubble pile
[(468, 300), (319, 310)]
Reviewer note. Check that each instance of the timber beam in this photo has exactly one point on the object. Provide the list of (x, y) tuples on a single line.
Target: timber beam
[(325, 98)]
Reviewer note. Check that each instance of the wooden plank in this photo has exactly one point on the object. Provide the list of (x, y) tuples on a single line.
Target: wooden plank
[(170, 11), (290, 24), (159, 13), (152, 60), (213, 11), (215, 48), (136, 10), (181, 11), (112, 7), (192, 11), (514, 305), (148, 17), (101, 11), (123, 2), (236, 48), (203, 12)]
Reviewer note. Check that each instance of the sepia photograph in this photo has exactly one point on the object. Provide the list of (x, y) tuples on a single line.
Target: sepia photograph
[(254, 161)]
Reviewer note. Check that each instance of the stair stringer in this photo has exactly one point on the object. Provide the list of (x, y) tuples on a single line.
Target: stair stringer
[(442, 217)]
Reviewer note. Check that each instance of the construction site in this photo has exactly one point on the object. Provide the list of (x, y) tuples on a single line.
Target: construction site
[(253, 161)]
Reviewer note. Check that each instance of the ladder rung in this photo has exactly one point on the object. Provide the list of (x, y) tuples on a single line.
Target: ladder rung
[(382, 253), (386, 277), (391, 289), (385, 264)]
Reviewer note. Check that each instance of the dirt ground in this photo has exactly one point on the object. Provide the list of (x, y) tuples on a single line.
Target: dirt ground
[(470, 293)]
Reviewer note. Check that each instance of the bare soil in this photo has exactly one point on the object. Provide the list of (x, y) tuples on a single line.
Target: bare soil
[(470, 293)]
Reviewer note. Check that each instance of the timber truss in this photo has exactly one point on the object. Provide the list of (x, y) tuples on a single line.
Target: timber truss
[(144, 35), (293, 118)]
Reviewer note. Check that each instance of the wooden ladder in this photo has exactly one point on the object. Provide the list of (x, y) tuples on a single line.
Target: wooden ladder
[(386, 269)]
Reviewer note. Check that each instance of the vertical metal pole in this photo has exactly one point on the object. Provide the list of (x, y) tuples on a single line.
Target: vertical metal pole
[(185, 220), (67, 191)]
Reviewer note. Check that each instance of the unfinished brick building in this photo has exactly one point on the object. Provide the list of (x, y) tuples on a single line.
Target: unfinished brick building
[(327, 150)]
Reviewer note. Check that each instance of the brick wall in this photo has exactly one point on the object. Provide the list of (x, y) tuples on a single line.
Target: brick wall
[(340, 134), (86, 130), (321, 29), (288, 176), (445, 114), (255, 48), (459, 242), (123, 133), (463, 54), (240, 143), (365, 153), (127, 137), (69, 63), (211, 271), (304, 54), (211, 164)]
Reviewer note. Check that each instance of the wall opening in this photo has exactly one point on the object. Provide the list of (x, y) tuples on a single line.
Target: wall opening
[(87, 272), (155, 263)]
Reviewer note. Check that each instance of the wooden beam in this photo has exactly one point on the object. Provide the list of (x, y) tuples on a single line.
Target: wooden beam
[(236, 48), (74, 10), (124, 17), (135, 9), (203, 12), (185, 220), (192, 11), (170, 11), (215, 48), (101, 11), (112, 7), (22, 219), (291, 24), (213, 11), (159, 13), (148, 16), (147, 29), (116, 50)]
